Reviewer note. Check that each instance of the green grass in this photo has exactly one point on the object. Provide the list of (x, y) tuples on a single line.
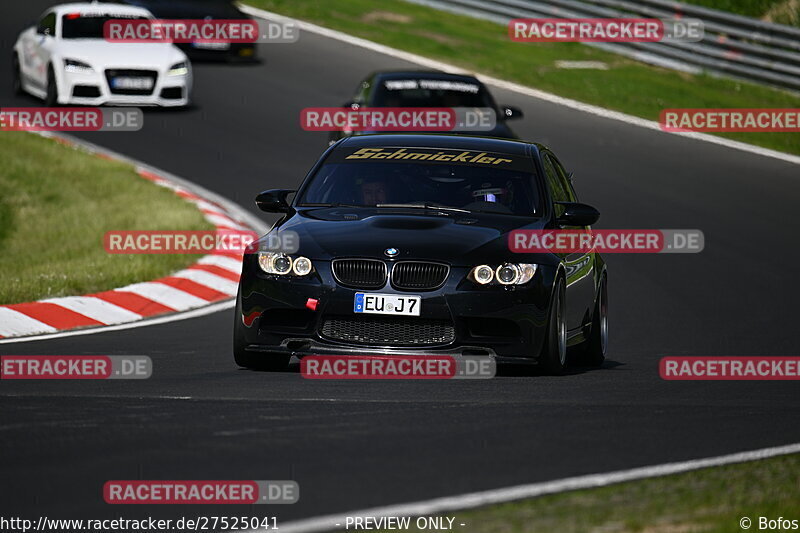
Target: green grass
[(484, 47), (56, 203), (748, 8), (708, 501), (780, 11)]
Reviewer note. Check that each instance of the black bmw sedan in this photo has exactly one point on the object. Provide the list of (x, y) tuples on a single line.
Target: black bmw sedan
[(403, 248), (429, 88)]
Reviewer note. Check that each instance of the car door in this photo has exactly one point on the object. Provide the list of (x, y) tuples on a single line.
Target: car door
[(579, 266), (37, 50)]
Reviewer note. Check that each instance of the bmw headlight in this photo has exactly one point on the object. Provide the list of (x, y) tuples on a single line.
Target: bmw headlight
[(301, 266), (528, 270), (77, 67), (179, 69), (482, 274), (505, 274), (282, 264)]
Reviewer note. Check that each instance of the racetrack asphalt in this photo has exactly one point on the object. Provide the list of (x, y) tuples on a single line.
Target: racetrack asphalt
[(353, 445)]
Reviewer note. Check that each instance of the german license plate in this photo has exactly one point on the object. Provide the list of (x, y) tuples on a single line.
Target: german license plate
[(210, 45), (387, 304), (126, 82)]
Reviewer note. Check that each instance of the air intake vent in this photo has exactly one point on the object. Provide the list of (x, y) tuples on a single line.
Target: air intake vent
[(360, 273), (389, 331), (418, 275)]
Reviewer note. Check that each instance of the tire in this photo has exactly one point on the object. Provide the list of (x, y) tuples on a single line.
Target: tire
[(553, 359), (595, 348), (16, 76), (51, 99), (254, 361)]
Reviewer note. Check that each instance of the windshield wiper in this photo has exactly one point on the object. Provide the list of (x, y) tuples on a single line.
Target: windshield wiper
[(328, 204), (426, 205)]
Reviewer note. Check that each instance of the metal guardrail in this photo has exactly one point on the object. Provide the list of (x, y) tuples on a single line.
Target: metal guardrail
[(733, 45)]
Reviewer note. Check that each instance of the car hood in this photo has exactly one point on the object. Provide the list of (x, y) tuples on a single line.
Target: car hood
[(101, 54), (461, 239)]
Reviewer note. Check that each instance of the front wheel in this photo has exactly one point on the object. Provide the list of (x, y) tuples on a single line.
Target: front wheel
[(553, 359), (16, 76), (51, 99)]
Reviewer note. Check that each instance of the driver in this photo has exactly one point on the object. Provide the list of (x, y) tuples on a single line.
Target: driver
[(373, 192)]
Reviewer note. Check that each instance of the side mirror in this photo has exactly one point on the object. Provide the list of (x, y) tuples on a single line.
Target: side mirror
[(576, 214), (274, 201), (510, 112)]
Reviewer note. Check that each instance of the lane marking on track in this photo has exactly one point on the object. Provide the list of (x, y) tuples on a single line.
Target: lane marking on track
[(261, 399), (515, 87), (490, 497)]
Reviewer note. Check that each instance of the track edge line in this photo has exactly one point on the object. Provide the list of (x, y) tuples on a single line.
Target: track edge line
[(519, 492)]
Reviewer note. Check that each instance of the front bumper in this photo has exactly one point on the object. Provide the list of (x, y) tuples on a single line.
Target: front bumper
[(507, 323), (93, 89)]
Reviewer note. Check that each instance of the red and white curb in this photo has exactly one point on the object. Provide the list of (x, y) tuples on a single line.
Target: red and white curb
[(212, 279)]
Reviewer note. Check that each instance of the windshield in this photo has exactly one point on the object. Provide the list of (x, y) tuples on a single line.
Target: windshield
[(431, 93), (76, 26), (471, 181)]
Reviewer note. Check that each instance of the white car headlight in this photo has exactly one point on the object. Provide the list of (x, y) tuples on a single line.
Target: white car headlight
[(505, 274), (282, 264), (77, 67), (528, 270), (179, 69), (482, 274), (301, 266)]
